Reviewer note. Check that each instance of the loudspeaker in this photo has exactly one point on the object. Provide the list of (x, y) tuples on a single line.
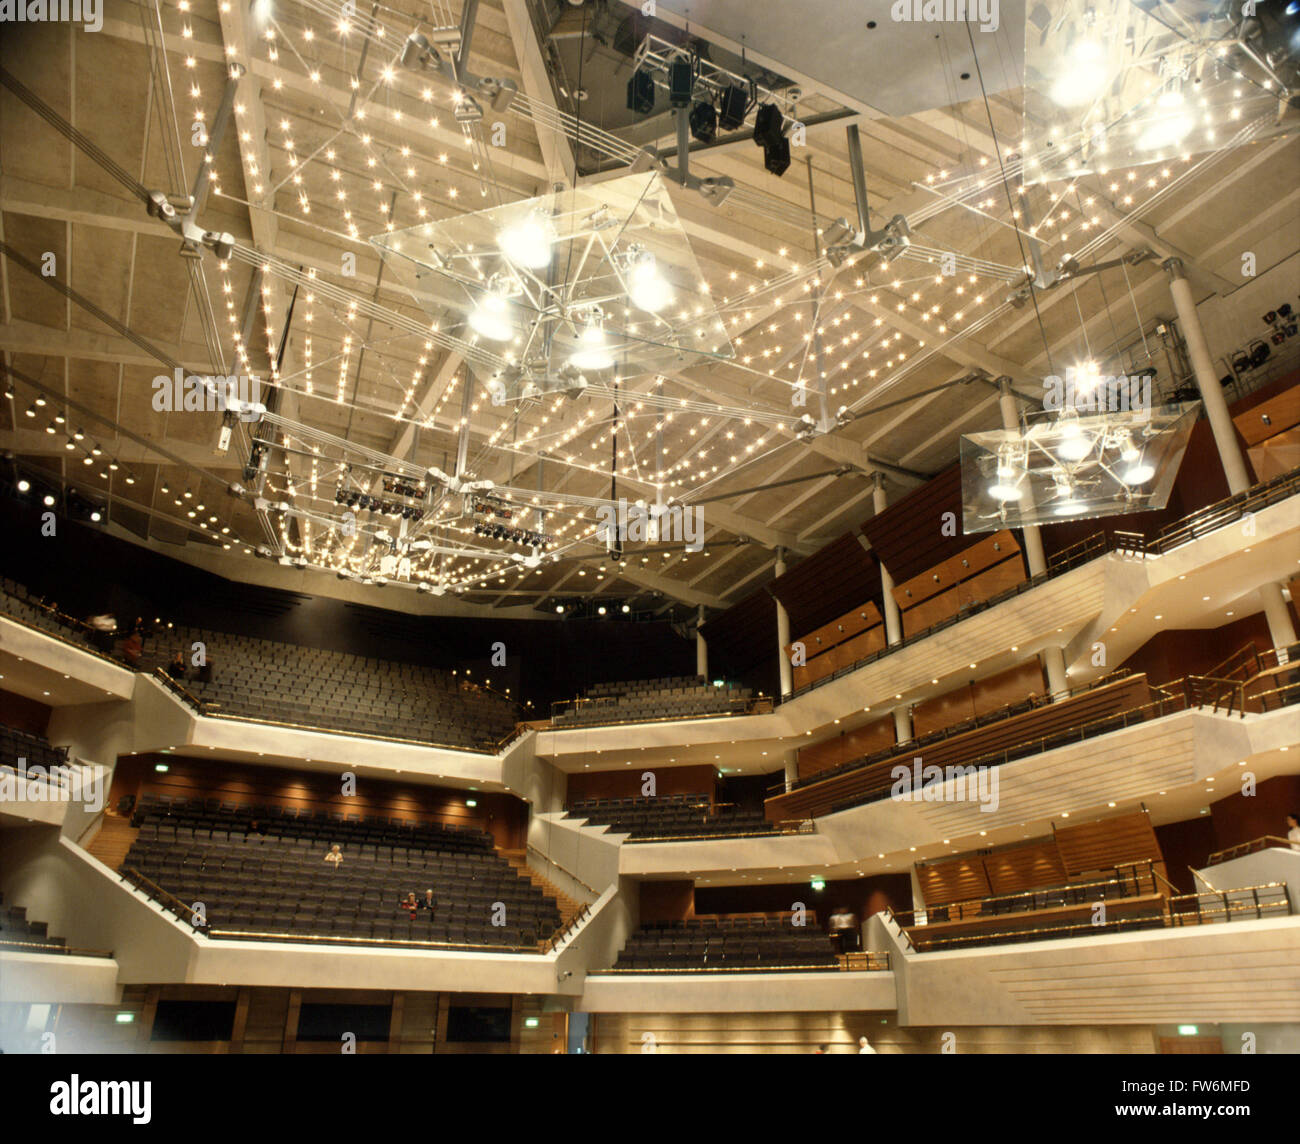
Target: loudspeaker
[(681, 83), (704, 122), (767, 126), (641, 93), (732, 108), (777, 158)]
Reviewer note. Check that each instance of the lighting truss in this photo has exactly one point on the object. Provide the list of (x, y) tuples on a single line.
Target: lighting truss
[(655, 55), (1073, 467)]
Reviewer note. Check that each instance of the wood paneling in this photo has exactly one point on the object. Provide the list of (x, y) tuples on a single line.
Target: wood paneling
[(1092, 846), (993, 565), (667, 901), (912, 534), (837, 578), (1020, 868), (1270, 417), (23, 714), (956, 880), (1239, 819), (844, 748), (626, 783), (981, 697), (504, 816)]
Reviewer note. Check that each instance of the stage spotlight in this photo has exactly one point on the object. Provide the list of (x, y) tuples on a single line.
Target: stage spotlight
[(767, 126), (777, 158), (24, 485), (704, 122), (641, 93), (733, 107), (681, 82)]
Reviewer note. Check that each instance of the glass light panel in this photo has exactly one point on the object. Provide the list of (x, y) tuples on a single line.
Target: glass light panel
[(1073, 467)]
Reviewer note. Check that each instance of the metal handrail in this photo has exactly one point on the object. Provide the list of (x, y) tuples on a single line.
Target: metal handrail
[(7, 946), (376, 942), (1168, 917), (1264, 842), (747, 968), (1073, 887), (566, 872), (155, 891)]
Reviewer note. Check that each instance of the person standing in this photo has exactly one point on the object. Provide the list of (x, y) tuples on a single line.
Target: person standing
[(844, 930), (864, 1047), (1293, 829)]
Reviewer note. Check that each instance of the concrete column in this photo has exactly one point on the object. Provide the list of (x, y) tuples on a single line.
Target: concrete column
[(1052, 657), (701, 647), (783, 633), (1280, 628), (791, 768), (1216, 405), (893, 617)]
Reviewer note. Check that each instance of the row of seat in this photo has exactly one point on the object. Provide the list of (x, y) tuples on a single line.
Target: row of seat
[(675, 817), (723, 943), (279, 883), (34, 750)]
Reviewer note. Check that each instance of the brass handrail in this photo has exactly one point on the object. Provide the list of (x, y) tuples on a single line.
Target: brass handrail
[(1068, 887), (1166, 917), (171, 901), (743, 968), (563, 870), (376, 942), (7, 946), (1263, 842)]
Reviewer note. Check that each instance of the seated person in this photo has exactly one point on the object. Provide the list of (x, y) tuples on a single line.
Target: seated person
[(132, 649), (205, 671), (410, 905), (335, 856), (176, 669), (429, 903)]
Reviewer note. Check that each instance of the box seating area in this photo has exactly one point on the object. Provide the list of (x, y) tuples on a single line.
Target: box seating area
[(284, 683), (16, 932), (278, 883), (674, 697), (729, 942), (1026, 732), (17, 601), (673, 816), (35, 749)]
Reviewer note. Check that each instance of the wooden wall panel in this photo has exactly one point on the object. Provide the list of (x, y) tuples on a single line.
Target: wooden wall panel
[(504, 816), (855, 744), (1093, 846), (667, 901), (979, 698), (23, 714), (1022, 868), (956, 880), (626, 783)]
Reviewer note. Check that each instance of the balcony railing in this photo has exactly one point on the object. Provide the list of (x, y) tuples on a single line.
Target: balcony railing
[(1254, 846)]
